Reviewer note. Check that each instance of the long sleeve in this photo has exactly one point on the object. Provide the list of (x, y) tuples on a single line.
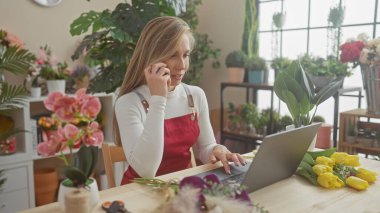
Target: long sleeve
[(206, 140), (142, 136)]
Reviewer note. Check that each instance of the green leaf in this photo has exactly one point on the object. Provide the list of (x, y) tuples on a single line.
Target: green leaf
[(77, 177), (15, 60), (84, 22), (327, 91), (304, 173), (12, 96), (87, 159), (5, 135), (326, 153)]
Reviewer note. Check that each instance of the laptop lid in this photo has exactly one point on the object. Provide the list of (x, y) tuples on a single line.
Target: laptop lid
[(279, 156)]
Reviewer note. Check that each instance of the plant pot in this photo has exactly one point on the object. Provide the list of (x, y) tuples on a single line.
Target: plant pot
[(235, 74), (256, 76), (56, 86), (35, 92), (92, 188), (321, 81), (324, 137), (46, 186), (8, 146)]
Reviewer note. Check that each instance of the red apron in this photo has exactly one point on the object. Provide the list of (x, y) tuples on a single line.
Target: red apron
[(180, 133)]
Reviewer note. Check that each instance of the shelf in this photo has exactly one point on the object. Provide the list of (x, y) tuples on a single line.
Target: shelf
[(248, 139), (355, 117), (359, 146)]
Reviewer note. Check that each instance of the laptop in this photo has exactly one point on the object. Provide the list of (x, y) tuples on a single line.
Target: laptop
[(277, 158)]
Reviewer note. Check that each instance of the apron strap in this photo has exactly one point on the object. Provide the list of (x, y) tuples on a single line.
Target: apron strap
[(143, 101), (190, 100)]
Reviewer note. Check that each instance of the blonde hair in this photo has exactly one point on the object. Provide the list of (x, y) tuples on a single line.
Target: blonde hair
[(158, 41)]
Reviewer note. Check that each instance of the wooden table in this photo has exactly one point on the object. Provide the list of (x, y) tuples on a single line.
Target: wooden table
[(293, 194)]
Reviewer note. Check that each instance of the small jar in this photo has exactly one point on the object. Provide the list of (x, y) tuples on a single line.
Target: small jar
[(8, 146)]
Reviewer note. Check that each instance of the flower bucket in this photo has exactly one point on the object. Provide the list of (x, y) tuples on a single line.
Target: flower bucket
[(35, 92), (56, 85), (371, 84), (92, 188), (46, 185)]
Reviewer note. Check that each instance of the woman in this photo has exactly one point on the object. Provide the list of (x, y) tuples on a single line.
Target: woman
[(158, 118)]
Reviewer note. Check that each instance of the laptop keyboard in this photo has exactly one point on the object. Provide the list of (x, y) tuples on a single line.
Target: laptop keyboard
[(237, 178)]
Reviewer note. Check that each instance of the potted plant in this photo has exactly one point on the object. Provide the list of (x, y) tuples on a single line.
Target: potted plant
[(279, 64), (77, 128), (295, 88), (279, 19), (257, 70), (234, 119), (249, 114), (55, 73), (322, 71), (235, 63)]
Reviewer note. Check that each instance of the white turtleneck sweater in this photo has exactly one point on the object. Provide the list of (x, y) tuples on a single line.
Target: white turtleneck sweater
[(142, 134)]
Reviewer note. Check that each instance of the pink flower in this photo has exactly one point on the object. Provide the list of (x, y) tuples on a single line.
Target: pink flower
[(91, 107), (73, 132), (94, 135), (52, 99), (65, 108), (53, 142), (14, 40)]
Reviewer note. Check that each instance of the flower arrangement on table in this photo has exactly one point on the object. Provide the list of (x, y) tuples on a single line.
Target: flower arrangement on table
[(72, 125), (48, 67), (331, 170), (196, 194)]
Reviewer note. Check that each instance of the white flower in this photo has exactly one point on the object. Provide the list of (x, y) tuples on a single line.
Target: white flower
[(363, 37)]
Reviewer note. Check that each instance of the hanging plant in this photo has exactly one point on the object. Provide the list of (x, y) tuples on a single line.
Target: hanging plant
[(336, 16), (279, 19)]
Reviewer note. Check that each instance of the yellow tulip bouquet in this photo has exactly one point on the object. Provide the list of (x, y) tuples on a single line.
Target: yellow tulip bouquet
[(331, 169)]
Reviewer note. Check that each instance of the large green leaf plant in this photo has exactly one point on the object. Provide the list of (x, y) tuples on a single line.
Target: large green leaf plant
[(295, 88), (114, 34)]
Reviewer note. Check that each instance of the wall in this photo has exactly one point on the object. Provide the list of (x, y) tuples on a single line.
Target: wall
[(223, 21)]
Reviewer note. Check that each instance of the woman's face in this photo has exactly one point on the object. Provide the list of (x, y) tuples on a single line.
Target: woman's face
[(178, 63)]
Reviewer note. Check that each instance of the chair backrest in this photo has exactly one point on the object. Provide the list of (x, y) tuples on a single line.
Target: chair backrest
[(113, 154)]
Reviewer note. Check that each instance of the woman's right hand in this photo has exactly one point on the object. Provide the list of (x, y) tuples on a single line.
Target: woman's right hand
[(158, 79)]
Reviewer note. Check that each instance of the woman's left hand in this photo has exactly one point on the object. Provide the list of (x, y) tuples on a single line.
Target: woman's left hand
[(221, 153)]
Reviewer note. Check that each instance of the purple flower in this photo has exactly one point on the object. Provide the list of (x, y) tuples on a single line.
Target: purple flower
[(243, 196), (193, 181), (211, 178)]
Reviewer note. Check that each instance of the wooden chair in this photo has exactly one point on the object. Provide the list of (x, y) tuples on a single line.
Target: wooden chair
[(113, 154)]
